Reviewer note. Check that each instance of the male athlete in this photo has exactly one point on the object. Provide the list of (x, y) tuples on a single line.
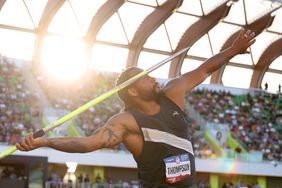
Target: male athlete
[(152, 126)]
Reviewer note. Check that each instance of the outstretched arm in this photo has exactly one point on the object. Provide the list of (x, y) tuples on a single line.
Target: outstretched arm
[(107, 136), (177, 88)]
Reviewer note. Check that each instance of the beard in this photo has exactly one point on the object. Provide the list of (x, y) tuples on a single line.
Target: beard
[(150, 95)]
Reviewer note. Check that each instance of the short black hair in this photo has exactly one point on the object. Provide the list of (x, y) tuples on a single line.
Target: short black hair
[(124, 76)]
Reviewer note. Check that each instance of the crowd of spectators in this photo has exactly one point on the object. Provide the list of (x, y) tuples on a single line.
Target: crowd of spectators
[(239, 184), (202, 184), (254, 120), (83, 180), (202, 149), (17, 104), (12, 173)]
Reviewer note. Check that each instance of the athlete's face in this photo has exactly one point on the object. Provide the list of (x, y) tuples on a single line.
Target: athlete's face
[(147, 88)]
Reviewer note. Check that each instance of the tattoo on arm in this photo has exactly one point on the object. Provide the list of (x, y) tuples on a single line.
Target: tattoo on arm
[(112, 137)]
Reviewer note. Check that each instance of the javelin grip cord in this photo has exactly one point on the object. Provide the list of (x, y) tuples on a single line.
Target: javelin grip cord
[(95, 101)]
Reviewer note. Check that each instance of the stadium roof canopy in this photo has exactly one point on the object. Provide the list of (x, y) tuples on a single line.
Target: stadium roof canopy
[(72, 35)]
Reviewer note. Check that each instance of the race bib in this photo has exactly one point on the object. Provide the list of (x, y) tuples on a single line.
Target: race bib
[(177, 168)]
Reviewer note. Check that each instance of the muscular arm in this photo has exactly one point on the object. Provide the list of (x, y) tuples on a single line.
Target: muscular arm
[(107, 136), (177, 88)]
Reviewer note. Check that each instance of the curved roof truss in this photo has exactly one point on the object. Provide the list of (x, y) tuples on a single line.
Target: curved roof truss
[(148, 26), (50, 10), (272, 52), (256, 26), (196, 31)]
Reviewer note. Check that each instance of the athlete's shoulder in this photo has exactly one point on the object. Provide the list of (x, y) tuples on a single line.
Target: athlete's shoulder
[(124, 118)]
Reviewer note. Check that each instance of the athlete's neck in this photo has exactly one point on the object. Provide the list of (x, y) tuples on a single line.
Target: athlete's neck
[(148, 107)]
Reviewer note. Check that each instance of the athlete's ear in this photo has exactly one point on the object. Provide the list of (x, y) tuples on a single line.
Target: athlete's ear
[(132, 92)]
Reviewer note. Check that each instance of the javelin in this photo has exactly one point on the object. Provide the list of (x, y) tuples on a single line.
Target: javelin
[(95, 101)]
